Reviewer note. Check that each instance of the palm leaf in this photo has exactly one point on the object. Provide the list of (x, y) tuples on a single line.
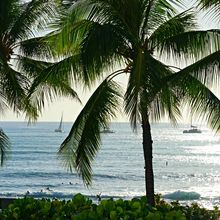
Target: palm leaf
[(135, 87), (69, 30), (156, 13), (98, 55), (35, 47), (192, 45), (68, 69), (202, 101), (163, 100), (191, 87), (5, 146), (48, 92), (33, 13), (127, 14), (9, 12), (165, 103), (205, 70), (80, 147), (14, 86), (3, 102), (180, 23), (31, 67), (213, 7)]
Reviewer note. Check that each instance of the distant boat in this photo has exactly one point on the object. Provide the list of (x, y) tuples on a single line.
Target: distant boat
[(107, 130), (193, 129), (59, 129)]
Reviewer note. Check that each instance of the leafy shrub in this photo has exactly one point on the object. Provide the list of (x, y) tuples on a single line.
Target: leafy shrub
[(82, 208)]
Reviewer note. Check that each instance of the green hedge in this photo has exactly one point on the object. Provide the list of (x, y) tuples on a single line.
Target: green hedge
[(82, 208)]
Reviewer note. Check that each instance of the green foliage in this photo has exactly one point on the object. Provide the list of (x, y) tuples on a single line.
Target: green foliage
[(82, 208)]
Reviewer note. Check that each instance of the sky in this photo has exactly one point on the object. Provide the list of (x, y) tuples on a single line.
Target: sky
[(70, 108)]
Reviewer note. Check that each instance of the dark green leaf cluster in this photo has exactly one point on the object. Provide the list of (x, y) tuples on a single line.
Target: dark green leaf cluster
[(82, 208)]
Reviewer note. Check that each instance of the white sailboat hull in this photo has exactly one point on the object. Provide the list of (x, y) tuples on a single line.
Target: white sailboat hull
[(192, 131)]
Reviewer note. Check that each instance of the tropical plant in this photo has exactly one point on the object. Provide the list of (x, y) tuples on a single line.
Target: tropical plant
[(22, 52), (106, 38), (83, 208)]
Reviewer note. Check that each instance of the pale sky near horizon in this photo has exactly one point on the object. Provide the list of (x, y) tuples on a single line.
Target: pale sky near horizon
[(70, 108)]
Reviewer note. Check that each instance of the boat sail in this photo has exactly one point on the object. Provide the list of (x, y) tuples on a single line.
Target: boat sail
[(59, 129)]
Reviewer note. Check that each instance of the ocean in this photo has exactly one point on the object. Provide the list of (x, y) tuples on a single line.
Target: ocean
[(186, 166)]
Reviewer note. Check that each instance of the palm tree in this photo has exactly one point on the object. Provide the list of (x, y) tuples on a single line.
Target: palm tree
[(22, 58), (215, 4), (107, 38)]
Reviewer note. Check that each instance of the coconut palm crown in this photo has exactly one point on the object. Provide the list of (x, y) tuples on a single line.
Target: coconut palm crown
[(107, 38), (22, 52)]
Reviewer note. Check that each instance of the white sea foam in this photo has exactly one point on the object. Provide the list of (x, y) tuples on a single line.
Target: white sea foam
[(182, 195)]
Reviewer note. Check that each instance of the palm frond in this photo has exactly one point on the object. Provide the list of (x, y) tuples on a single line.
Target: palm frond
[(14, 86), (193, 89), (178, 24), (211, 8), (69, 30), (202, 101), (68, 69), (98, 55), (191, 45), (161, 99), (134, 88), (52, 82), (9, 11), (35, 47), (48, 91), (205, 70), (31, 67), (165, 103), (5, 146), (83, 142), (213, 4), (33, 13), (125, 14), (156, 13), (3, 102)]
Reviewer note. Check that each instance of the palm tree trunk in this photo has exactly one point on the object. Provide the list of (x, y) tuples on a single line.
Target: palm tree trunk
[(148, 156)]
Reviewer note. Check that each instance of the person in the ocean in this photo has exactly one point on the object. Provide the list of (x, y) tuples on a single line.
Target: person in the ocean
[(49, 189)]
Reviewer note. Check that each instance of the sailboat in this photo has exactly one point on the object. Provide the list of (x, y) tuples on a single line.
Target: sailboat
[(107, 130), (193, 129), (59, 129)]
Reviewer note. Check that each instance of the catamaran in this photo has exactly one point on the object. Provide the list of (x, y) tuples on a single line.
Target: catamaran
[(193, 129), (107, 130)]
